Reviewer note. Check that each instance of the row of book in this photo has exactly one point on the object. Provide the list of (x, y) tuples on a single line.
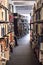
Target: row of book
[(5, 29), (38, 15)]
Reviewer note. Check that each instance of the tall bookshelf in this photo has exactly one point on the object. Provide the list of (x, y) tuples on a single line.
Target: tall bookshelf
[(21, 25), (38, 28), (6, 29)]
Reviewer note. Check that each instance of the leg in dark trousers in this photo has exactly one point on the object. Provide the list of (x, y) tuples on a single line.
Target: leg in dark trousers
[(11, 49), (15, 41)]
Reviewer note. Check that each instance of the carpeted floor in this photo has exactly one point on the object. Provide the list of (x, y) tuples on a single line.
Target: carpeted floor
[(23, 54)]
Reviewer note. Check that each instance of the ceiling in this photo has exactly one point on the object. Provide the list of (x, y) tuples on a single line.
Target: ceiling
[(24, 9), (23, 0), (24, 6)]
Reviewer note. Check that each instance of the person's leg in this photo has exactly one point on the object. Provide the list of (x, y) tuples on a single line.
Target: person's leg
[(11, 49), (15, 41)]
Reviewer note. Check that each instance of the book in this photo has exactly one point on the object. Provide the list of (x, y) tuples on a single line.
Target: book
[(0, 31)]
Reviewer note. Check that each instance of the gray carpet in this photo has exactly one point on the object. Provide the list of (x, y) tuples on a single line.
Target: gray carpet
[(23, 54)]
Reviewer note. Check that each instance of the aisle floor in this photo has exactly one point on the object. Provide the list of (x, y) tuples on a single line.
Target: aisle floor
[(23, 54)]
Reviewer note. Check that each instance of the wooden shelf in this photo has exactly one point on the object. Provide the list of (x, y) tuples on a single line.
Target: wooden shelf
[(39, 9), (5, 11), (38, 21), (3, 37), (4, 22), (41, 50), (2, 6), (9, 32), (41, 35), (32, 23)]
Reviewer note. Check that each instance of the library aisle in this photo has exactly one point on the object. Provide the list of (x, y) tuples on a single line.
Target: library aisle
[(22, 54)]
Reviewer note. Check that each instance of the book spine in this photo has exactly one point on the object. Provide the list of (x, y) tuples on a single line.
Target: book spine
[(0, 31)]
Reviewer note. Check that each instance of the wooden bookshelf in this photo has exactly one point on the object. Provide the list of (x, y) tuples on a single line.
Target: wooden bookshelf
[(37, 22), (38, 27), (38, 9), (5, 31), (2, 6)]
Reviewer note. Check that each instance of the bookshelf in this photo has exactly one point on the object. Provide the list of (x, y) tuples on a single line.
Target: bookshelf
[(38, 29), (21, 27), (6, 29)]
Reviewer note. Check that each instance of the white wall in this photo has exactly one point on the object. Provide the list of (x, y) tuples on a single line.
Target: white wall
[(10, 1)]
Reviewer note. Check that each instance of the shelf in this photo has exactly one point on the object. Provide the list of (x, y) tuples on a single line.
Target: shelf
[(38, 21), (3, 22), (2, 6), (9, 32), (3, 37), (41, 35), (32, 23), (41, 50), (31, 29), (39, 8), (6, 35)]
